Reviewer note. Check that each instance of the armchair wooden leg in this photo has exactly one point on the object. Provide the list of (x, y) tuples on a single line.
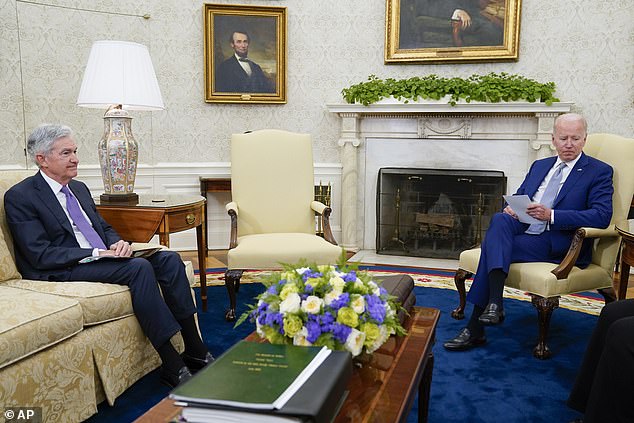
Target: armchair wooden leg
[(545, 307), (232, 283), (459, 278)]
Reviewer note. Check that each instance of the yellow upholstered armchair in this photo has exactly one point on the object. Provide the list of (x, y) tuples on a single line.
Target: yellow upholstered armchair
[(546, 282), (273, 209)]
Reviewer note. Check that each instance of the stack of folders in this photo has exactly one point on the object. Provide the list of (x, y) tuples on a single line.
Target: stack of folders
[(256, 382)]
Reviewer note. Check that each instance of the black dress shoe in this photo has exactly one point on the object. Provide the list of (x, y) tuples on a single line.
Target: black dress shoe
[(464, 341), (577, 421), (493, 314), (196, 364), (173, 380)]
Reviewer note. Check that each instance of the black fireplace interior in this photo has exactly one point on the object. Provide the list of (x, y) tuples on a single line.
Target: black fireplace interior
[(435, 213)]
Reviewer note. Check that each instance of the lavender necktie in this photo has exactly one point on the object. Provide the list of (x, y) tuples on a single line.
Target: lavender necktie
[(550, 193), (80, 221)]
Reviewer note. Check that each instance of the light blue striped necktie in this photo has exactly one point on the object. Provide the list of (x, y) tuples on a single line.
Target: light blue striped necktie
[(550, 193)]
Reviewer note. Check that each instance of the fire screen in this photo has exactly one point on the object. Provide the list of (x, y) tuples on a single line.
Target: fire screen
[(435, 213)]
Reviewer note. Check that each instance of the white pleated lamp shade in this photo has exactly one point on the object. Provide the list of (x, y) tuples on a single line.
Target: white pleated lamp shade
[(120, 72)]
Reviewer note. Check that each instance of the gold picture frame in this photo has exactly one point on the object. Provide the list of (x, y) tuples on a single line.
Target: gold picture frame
[(451, 31), (244, 54)]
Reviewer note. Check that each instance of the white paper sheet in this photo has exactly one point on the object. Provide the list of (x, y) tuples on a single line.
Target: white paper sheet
[(519, 203)]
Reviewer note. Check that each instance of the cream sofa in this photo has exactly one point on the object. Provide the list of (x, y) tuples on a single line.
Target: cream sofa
[(65, 346)]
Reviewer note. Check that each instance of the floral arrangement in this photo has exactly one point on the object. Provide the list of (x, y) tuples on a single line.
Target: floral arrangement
[(339, 307)]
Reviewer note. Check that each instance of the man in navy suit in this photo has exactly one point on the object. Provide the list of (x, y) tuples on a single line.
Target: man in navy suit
[(53, 229), (239, 74), (582, 193)]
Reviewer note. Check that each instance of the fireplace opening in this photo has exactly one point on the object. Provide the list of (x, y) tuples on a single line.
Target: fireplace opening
[(435, 213)]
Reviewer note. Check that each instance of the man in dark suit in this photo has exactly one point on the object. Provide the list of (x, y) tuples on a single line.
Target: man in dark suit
[(568, 191), (239, 74), (55, 224)]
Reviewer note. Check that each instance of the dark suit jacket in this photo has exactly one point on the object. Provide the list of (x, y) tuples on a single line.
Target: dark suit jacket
[(585, 199), (231, 78), (45, 245)]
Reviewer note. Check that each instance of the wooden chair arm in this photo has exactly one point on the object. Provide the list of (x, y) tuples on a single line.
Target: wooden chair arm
[(324, 212), (563, 269), (232, 209), (325, 220)]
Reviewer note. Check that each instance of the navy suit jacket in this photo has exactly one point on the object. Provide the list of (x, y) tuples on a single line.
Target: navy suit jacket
[(45, 245), (585, 199)]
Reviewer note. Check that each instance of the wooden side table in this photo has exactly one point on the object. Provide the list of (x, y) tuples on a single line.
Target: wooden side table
[(627, 260), (162, 216), (212, 185)]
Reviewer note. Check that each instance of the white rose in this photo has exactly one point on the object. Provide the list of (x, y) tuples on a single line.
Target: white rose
[(312, 304), (258, 329), (300, 338), (330, 297), (374, 288), (302, 270), (291, 303), (358, 303), (354, 342), (337, 284)]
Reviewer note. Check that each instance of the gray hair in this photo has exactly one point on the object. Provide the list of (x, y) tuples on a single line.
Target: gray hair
[(43, 138), (572, 117)]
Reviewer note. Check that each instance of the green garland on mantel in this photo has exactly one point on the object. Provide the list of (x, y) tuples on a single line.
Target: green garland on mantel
[(490, 88)]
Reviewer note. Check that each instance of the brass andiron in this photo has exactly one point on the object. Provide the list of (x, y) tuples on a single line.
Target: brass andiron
[(323, 194), (396, 239), (477, 239)]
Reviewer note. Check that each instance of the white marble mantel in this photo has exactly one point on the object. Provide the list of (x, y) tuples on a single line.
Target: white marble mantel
[(487, 136)]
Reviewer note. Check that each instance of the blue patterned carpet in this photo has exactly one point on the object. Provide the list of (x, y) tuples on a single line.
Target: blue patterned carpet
[(498, 382)]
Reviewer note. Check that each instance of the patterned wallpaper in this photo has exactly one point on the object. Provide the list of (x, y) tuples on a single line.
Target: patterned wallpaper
[(586, 48)]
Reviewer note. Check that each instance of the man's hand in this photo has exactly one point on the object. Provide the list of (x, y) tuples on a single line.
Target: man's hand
[(539, 211), (508, 210), (465, 19), (119, 248)]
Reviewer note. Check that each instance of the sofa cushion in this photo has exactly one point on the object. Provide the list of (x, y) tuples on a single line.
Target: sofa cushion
[(7, 264), (8, 269), (31, 321), (100, 302)]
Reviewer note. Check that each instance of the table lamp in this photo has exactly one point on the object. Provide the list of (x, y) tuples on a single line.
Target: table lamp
[(119, 76)]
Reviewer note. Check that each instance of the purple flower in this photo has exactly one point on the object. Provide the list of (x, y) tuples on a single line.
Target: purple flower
[(310, 274), (350, 277), (375, 308), (382, 291), (341, 332), (341, 301), (272, 290), (326, 321), (308, 288), (314, 330), (275, 318)]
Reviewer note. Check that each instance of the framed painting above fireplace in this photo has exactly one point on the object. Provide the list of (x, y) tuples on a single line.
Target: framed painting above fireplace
[(451, 31)]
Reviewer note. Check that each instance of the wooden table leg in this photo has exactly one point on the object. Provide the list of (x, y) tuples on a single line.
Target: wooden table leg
[(202, 263), (424, 390)]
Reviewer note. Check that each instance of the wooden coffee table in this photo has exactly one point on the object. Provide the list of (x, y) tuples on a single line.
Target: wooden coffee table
[(382, 389)]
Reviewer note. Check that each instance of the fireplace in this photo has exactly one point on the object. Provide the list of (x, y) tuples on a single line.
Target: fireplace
[(435, 213), (505, 137)]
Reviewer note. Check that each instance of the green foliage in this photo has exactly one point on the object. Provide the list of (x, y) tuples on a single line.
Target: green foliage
[(491, 88)]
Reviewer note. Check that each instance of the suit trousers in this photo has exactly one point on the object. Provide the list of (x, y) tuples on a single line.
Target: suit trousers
[(605, 382), (157, 314), (506, 242)]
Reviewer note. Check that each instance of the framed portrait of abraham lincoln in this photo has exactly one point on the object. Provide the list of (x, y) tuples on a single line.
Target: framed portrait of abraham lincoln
[(451, 31), (244, 53)]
